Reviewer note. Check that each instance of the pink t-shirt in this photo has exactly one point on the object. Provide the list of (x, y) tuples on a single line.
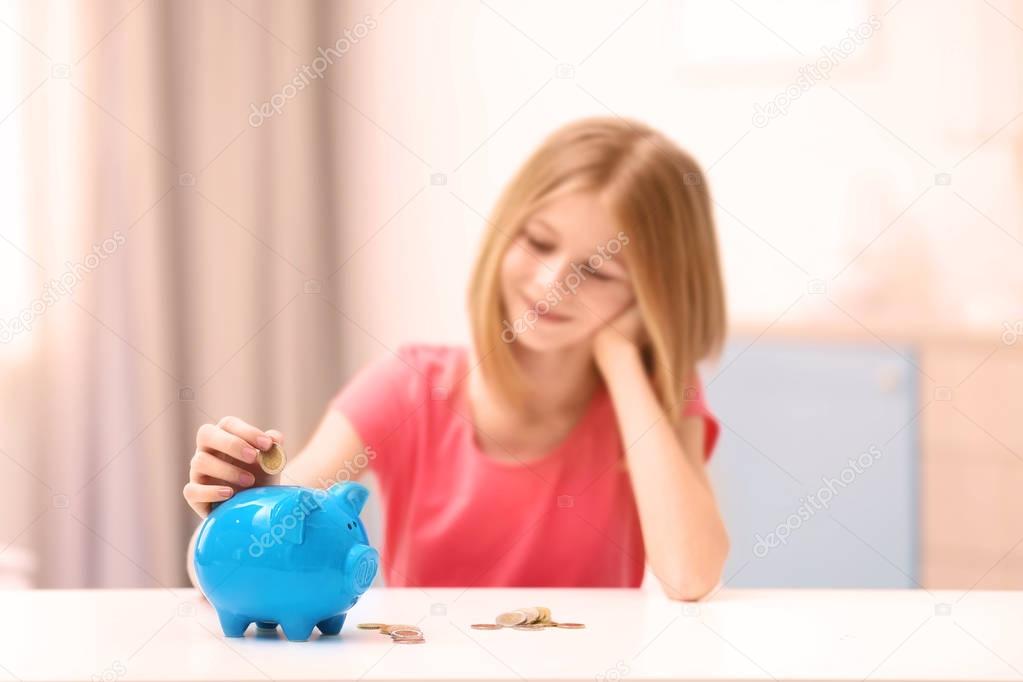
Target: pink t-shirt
[(455, 516)]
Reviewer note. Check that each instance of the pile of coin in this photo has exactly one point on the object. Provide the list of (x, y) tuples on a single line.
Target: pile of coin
[(528, 618), (400, 634), (272, 461)]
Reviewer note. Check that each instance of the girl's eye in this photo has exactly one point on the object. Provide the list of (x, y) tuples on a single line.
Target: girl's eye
[(539, 245), (601, 276)]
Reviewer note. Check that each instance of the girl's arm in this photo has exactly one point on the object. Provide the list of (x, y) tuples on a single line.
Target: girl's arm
[(329, 457), (685, 537)]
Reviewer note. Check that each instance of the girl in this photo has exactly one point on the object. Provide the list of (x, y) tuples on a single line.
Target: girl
[(567, 445)]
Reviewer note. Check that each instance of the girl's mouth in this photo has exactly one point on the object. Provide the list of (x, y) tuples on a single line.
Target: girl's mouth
[(551, 316), (546, 312)]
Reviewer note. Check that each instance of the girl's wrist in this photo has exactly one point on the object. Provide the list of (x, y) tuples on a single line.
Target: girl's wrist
[(614, 353)]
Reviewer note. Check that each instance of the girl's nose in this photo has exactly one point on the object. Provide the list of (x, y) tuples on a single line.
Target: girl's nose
[(549, 271)]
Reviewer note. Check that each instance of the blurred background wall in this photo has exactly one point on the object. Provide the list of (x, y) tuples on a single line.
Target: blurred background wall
[(255, 242)]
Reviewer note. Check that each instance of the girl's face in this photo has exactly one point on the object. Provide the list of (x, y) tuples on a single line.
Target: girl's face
[(564, 276)]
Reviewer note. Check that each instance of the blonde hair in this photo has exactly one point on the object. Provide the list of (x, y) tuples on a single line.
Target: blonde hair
[(658, 195)]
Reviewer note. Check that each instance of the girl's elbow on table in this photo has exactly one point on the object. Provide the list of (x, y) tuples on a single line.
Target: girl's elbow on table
[(693, 585)]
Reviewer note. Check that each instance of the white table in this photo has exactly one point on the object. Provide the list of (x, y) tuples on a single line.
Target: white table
[(164, 634)]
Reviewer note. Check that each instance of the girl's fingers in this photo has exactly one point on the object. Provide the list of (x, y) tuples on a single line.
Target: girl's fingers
[(200, 497), (215, 439), (225, 460), (208, 464), (247, 432), (215, 483), (202, 492)]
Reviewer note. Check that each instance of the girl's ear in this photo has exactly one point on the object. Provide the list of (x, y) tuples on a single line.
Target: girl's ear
[(354, 494)]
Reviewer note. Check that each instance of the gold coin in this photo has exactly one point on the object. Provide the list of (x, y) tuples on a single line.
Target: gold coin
[(545, 614), (405, 633), (370, 626), (486, 626), (512, 618), (272, 461), (571, 626), (532, 614), (530, 626), (388, 629)]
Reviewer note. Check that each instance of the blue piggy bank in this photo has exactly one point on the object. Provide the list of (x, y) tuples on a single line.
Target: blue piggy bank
[(286, 554)]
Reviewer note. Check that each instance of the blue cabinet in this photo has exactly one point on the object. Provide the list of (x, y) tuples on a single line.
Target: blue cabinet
[(816, 470)]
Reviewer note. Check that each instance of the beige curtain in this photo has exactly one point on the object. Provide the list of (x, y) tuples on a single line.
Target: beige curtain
[(200, 239)]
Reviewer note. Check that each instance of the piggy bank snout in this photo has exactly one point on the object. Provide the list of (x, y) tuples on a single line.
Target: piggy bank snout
[(361, 567)]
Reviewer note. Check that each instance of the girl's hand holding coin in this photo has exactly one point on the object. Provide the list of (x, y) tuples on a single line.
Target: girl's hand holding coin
[(229, 456)]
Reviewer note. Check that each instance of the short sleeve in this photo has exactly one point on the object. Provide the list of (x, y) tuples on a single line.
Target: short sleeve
[(694, 404), (379, 401)]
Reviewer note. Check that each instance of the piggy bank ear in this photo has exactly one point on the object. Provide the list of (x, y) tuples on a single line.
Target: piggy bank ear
[(352, 493), (288, 516)]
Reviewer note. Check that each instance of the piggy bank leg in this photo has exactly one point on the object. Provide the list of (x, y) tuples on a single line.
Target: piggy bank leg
[(332, 625), (297, 631), (232, 624)]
